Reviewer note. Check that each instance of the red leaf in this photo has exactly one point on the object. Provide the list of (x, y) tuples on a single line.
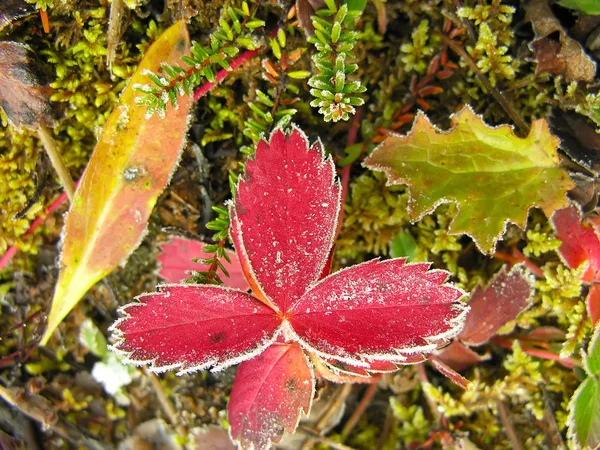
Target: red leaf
[(378, 310), (593, 304), (501, 301), (460, 357), (579, 242), (176, 262), (284, 216), (268, 395), (330, 373), (193, 327)]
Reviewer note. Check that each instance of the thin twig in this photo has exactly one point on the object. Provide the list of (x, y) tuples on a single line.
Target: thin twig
[(165, 403), (387, 428), (336, 403), (510, 431), (35, 407), (346, 170), (360, 409), (56, 160), (504, 103), (13, 249), (324, 440)]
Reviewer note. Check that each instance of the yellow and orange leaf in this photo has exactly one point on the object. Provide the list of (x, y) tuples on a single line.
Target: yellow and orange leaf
[(131, 164)]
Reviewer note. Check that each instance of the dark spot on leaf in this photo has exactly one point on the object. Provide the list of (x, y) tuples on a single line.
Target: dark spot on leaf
[(218, 338), (290, 385)]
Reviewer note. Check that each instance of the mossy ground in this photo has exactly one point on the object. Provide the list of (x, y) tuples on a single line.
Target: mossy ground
[(410, 408)]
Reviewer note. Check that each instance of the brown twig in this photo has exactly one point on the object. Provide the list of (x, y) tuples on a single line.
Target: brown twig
[(387, 428), (360, 409), (510, 431), (165, 403), (324, 440), (336, 403), (504, 103)]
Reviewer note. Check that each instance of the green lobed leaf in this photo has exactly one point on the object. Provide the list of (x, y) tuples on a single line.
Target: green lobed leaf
[(494, 176)]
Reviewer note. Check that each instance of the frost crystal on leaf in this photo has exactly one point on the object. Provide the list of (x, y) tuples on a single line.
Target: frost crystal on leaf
[(360, 321)]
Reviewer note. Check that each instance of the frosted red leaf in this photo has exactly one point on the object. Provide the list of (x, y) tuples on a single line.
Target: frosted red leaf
[(193, 327), (362, 320), (377, 310), (579, 241), (268, 396), (286, 211), (507, 294), (175, 261), (593, 304)]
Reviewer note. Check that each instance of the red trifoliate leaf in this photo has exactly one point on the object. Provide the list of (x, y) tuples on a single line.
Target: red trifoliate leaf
[(268, 396), (579, 241), (176, 263), (193, 327), (284, 216), (501, 301), (378, 310)]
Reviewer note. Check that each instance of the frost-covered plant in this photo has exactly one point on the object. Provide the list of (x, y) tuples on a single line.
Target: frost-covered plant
[(335, 95), (232, 33), (365, 319)]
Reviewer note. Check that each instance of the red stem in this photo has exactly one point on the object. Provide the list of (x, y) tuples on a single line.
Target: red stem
[(237, 62), (13, 249), (221, 74), (569, 363), (346, 170)]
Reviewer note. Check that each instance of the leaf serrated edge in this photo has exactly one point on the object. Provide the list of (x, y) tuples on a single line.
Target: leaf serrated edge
[(326, 160), (391, 180), (303, 413), (456, 325), (212, 364)]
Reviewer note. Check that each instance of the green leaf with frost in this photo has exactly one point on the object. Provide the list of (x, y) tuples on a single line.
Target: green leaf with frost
[(590, 7), (592, 359), (584, 420), (492, 175)]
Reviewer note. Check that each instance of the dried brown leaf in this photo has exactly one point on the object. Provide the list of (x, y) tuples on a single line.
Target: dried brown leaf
[(578, 65), (24, 90), (11, 10)]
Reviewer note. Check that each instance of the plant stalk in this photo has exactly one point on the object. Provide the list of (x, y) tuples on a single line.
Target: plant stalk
[(56, 160)]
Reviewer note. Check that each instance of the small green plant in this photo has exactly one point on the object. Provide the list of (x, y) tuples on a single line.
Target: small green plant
[(336, 95), (233, 33)]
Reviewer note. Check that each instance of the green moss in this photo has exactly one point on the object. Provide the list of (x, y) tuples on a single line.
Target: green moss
[(423, 46), (76, 53)]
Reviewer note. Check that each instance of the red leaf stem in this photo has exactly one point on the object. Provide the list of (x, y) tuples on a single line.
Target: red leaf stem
[(569, 363), (13, 249), (237, 62), (221, 74), (345, 178)]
